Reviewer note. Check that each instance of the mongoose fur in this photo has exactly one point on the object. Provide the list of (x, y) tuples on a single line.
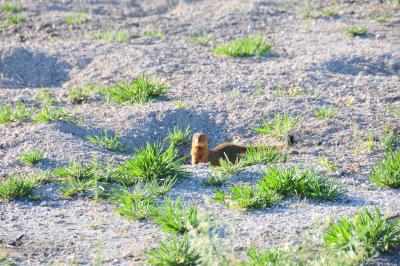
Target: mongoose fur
[(202, 154)]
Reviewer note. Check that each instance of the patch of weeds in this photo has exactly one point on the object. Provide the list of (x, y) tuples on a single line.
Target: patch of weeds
[(272, 257), (112, 36), (216, 180), (109, 141), (78, 95), (151, 163), (181, 105), (19, 113), (45, 97), (391, 141), (261, 155), (387, 172), (179, 136), (279, 127), (368, 233), (49, 114), (323, 113), (174, 217), (327, 164), (227, 168), (201, 39), (76, 19), (141, 90), (174, 252), (31, 157), (16, 187), (356, 31), (10, 7), (310, 12), (244, 47), (136, 205), (304, 184), (154, 34), (367, 145), (13, 20), (330, 11), (394, 110), (292, 91)]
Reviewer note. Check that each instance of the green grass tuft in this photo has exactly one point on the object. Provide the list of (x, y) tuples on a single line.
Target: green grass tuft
[(151, 163), (136, 205), (79, 95), (179, 136), (16, 187), (323, 113), (262, 155), (112, 36), (367, 233), (31, 157), (271, 257), (45, 97), (279, 127), (106, 140), (387, 172), (76, 19), (174, 252), (10, 7), (140, 90), (20, 113), (356, 31), (244, 47), (49, 114)]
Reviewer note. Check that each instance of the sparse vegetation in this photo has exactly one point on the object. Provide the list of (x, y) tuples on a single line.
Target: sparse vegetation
[(154, 34), (271, 257), (112, 36), (387, 172), (76, 19), (327, 164), (279, 127), (49, 114), (179, 136), (106, 140), (136, 205), (201, 39), (244, 47), (20, 113), (356, 31), (45, 97), (141, 90), (31, 157), (151, 163), (78, 95), (367, 233), (9, 7), (17, 187), (323, 113), (391, 141), (262, 155)]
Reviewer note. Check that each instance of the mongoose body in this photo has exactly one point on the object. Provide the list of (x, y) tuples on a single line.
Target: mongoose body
[(226, 151)]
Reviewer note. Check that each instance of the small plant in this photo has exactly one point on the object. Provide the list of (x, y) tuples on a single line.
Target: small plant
[(108, 141), (112, 36), (136, 205), (279, 127), (200, 39), (227, 168), (216, 180), (368, 233), (10, 8), (271, 257), (391, 141), (76, 19), (330, 11), (174, 252), (19, 113), (356, 31), (151, 163), (14, 20), (327, 164), (31, 157), (244, 47), (174, 217), (16, 187), (49, 114), (387, 172), (179, 136), (45, 97), (323, 113), (261, 155), (80, 95), (140, 90), (154, 34)]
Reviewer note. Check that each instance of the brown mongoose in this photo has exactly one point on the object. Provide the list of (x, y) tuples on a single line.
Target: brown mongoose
[(201, 154)]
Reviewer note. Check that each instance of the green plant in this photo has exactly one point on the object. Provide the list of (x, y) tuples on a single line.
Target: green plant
[(179, 136), (76, 19), (108, 141), (13, 20), (368, 233), (154, 34), (244, 47), (325, 113), (272, 257), (10, 7), (216, 180), (19, 113), (175, 252), (136, 205), (387, 172), (16, 187), (140, 90), (45, 97), (391, 141), (261, 155), (49, 114), (227, 168), (279, 127), (327, 164), (174, 217), (112, 36), (78, 95), (31, 157), (356, 31), (201, 39), (151, 163)]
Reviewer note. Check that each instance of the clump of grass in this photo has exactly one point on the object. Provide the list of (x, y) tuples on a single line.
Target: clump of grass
[(323, 113), (356, 31), (49, 114), (19, 113), (227, 168), (174, 252), (10, 8), (45, 97), (136, 206), (367, 233), (106, 140), (174, 217), (261, 155), (391, 141), (16, 187), (179, 136), (151, 163), (272, 257), (76, 19), (244, 47), (31, 157), (279, 127), (387, 172), (215, 180), (327, 164), (112, 36), (78, 95), (201, 39), (141, 90), (154, 34)]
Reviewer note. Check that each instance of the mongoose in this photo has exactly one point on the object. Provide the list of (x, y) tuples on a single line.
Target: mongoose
[(201, 154)]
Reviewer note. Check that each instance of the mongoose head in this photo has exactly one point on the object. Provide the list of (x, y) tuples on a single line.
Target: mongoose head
[(199, 148)]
